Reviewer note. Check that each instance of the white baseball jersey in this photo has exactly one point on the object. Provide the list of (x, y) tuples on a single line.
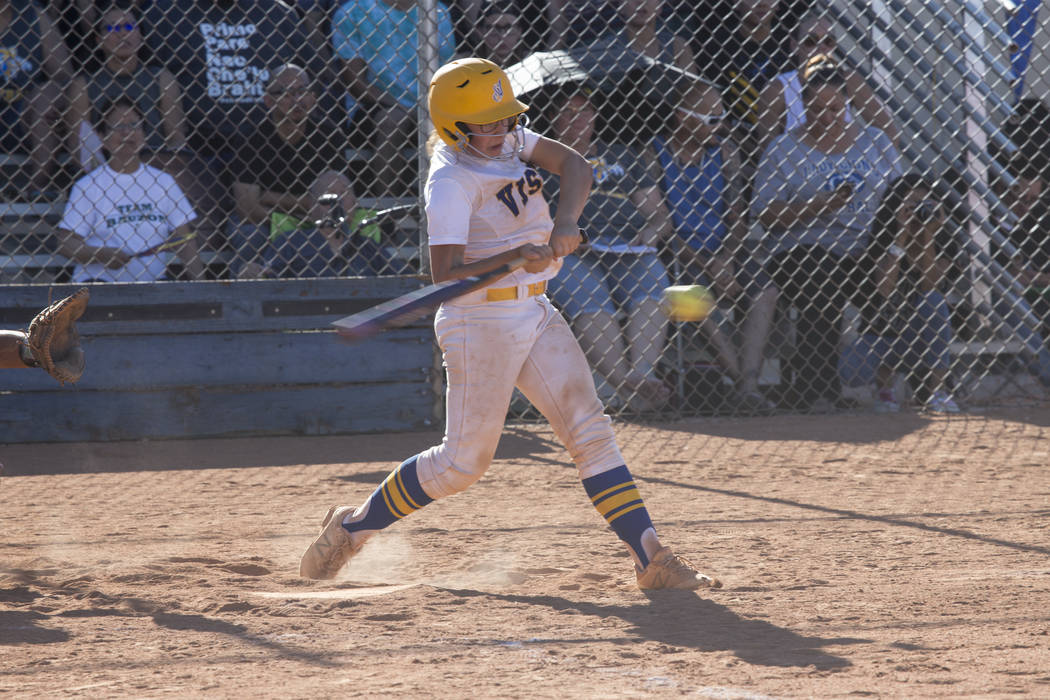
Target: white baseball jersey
[(489, 206), (490, 347)]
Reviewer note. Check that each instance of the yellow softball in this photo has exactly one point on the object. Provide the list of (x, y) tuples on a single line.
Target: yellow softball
[(691, 302)]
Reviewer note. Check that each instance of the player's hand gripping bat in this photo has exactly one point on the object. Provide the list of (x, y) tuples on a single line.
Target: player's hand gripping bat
[(414, 305)]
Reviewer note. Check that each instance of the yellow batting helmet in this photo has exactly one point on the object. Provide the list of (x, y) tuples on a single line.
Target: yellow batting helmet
[(471, 90)]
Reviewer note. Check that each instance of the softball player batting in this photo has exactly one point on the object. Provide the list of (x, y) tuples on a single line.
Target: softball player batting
[(485, 208)]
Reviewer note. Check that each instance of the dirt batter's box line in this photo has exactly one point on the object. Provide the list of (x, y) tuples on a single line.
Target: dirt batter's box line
[(858, 516)]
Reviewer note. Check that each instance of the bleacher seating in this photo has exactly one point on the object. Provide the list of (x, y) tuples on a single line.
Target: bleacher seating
[(28, 244)]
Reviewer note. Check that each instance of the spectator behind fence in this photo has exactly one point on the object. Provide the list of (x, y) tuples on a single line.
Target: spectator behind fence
[(317, 27), (1028, 127), (581, 22), (377, 43), (640, 29), (740, 45), (499, 35), (533, 21), (123, 209), (158, 97), (279, 175), (153, 89), (620, 270), (905, 322), (36, 67), (780, 105), (701, 176), (1028, 199), (816, 191), (77, 22), (958, 288), (222, 52)]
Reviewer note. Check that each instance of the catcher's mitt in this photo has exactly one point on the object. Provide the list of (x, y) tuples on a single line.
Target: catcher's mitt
[(53, 339)]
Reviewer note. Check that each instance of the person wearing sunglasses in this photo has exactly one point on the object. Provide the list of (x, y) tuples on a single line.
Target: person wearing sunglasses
[(123, 72), (740, 45), (905, 322), (780, 106), (816, 191), (158, 96), (288, 176), (222, 53), (702, 178)]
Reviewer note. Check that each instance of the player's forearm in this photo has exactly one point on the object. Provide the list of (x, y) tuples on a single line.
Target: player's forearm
[(194, 266), (252, 211), (736, 237), (650, 235), (1024, 276), (255, 204), (174, 118), (11, 344), (575, 187), (871, 108), (456, 269)]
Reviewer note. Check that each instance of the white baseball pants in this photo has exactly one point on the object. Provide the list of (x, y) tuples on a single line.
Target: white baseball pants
[(488, 349)]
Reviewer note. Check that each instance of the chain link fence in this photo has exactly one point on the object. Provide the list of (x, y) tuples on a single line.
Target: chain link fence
[(861, 185)]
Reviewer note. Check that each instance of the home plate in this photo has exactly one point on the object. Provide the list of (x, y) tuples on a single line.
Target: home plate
[(341, 594)]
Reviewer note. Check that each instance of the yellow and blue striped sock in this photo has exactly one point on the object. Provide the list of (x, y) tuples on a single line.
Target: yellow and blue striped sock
[(398, 495), (617, 499)]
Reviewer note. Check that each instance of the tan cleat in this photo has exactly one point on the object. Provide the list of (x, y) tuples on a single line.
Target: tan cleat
[(668, 570), (332, 548)]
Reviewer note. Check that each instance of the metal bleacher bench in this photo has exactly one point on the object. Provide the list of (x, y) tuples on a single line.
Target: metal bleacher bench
[(25, 254)]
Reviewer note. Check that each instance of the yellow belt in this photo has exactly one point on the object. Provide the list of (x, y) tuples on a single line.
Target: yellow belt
[(508, 293)]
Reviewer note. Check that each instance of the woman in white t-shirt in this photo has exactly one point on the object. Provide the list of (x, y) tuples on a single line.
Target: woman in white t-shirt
[(816, 192), (120, 211), (781, 107), (485, 209)]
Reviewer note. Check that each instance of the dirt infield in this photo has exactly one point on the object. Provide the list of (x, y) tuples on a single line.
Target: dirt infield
[(891, 556)]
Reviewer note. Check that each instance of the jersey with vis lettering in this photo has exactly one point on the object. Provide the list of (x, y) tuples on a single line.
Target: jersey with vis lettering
[(489, 206)]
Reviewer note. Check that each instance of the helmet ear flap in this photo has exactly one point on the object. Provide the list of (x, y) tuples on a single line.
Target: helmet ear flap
[(461, 135)]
